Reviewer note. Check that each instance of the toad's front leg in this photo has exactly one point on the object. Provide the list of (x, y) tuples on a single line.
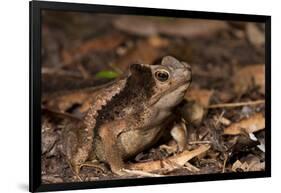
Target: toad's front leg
[(113, 154), (77, 143)]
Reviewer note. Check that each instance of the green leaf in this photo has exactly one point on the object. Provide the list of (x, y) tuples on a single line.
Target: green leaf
[(107, 74)]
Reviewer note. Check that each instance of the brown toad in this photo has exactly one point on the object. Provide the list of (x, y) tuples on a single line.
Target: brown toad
[(128, 115)]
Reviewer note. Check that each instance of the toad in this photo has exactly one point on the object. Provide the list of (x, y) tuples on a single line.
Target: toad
[(128, 116)]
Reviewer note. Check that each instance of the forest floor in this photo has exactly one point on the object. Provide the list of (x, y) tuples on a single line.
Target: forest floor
[(226, 97)]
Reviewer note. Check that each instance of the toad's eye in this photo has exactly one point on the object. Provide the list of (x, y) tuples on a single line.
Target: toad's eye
[(162, 75)]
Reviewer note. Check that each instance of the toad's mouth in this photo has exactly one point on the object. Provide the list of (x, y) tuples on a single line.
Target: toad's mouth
[(182, 86)]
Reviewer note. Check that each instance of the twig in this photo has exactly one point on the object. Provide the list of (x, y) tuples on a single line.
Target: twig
[(218, 120), (116, 68), (83, 71), (239, 104), (191, 167), (179, 159), (58, 71), (199, 142), (224, 162), (141, 173)]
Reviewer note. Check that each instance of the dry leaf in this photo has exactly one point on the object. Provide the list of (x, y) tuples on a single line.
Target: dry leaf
[(251, 163), (48, 141), (201, 96), (191, 167), (248, 77), (101, 44), (255, 35), (187, 28), (143, 53), (51, 179), (170, 162), (66, 100), (193, 113), (224, 96), (179, 134), (236, 165), (158, 42), (222, 120), (197, 100), (252, 124)]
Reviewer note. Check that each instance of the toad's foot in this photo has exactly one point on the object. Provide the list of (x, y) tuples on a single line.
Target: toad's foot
[(75, 170), (170, 149), (95, 164)]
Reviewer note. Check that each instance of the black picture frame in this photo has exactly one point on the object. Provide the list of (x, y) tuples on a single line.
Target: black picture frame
[(36, 7)]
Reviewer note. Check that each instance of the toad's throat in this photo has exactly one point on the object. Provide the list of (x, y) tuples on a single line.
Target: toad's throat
[(156, 98)]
